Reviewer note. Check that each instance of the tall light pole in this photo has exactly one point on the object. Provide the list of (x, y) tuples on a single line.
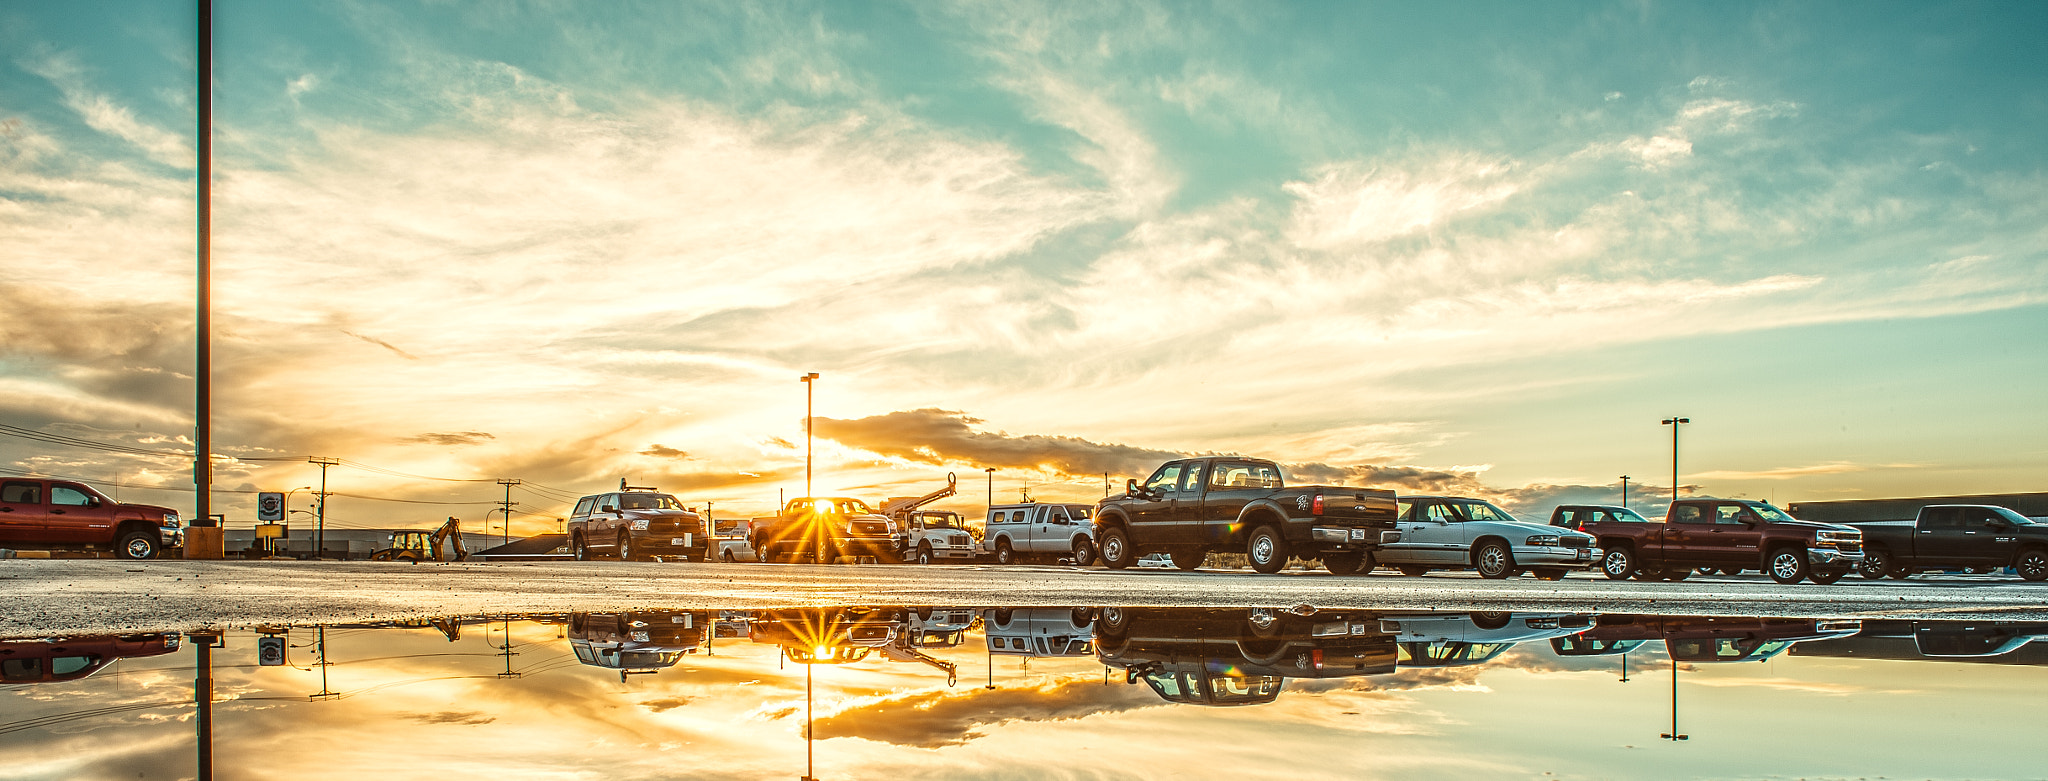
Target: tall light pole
[(1624, 492), (1674, 422), (991, 484), (817, 546), (202, 440)]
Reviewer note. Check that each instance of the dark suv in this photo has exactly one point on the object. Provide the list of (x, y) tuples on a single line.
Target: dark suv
[(637, 523)]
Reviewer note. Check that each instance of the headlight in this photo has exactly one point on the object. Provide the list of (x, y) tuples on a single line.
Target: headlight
[(1830, 537), (638, 526), (1541, 539)]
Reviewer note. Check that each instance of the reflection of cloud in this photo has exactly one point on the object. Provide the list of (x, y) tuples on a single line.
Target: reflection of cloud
[(450, 717), (937, 436), (1792, 684), (934, 718), (665, 704)]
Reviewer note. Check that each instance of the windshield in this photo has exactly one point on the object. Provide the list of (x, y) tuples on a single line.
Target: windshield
[(648, 502), (1481, 511), (831, 506), (941, 521), (1769, 513)]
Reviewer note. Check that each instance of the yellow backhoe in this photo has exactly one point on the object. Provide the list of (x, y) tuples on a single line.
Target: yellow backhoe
[(416, 546)]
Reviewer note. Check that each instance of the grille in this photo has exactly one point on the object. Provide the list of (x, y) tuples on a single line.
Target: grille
[(870, 528), (1849, 547), (1576, 542)]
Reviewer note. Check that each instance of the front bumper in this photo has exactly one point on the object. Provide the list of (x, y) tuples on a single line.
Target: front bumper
[(173, 536), (1351, 535), (1829, 558), (651, 541), (1555, 556)]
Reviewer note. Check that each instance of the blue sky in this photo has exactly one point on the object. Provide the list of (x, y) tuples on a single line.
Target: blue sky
[(1494, 243)]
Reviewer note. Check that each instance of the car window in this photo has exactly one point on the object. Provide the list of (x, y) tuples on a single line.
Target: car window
[(1573, 518), (1237, 474), (583, 505), (1080, 512), (1404, 511), (1943, 518), (1193, 479), (1441, 514), (66, 496), (1165, 479), (1730, 514), (1481, 511), (22, 493), (1688, 513), (649, 502)]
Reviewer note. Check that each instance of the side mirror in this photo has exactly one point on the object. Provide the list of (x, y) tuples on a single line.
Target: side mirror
[(1131, 488), (92, 501), (607, 509)]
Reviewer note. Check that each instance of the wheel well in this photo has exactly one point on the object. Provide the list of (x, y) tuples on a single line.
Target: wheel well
[(1474, 553), (1772, 552), (1611, 543), (2030, 547), (132, 525), (1264, 516)]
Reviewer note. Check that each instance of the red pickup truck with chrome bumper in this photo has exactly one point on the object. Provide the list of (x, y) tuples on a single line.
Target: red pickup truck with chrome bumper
[(39, 514)]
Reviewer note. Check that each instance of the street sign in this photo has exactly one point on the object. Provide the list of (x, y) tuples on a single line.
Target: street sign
[(270, 650), (270, 506)]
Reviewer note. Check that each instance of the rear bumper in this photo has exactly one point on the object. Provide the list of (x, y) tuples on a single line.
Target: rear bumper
[(1353, 535)]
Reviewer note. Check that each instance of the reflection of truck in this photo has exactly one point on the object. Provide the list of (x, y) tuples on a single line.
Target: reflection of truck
[(925, 536), (38, 514), (1995, 642), (1039, 631), (1712, 638), (636, 643), (1037, 531), (836, 635), (1956, 536), (72, 658), (1458, 639), (1448, 532), (1201, 656), (1193, 506), (1732, 534), (823, 530)]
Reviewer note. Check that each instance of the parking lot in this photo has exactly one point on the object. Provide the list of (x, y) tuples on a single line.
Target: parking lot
[(113, 596)]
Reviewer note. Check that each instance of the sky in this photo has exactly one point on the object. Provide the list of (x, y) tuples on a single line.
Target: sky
[(415, 705), (1476, 248)]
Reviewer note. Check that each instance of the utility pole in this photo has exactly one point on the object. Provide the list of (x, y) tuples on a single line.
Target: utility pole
[(991, 485), (818, 546), (320, 514), (1624, 492), (202, 413), (509, 504), (1674, 422)]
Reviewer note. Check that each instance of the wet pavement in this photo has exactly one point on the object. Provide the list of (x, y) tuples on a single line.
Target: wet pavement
[(48, 597), (1093, 691)]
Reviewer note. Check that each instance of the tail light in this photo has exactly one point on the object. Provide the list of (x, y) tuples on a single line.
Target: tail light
[(1315, 657), (1318, 509)]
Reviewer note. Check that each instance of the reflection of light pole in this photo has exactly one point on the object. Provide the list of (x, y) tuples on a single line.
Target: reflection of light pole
[(810, 767), (1674, 735), (1624, 667), (817, 546), (202, 695), (1624, 492)]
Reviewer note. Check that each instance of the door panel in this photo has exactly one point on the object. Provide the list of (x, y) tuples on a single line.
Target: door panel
[(1939, 538), (72, 519), (21, 511)]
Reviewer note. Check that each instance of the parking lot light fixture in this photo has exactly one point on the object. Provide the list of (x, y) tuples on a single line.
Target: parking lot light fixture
[(818, 545), (1624, 492)]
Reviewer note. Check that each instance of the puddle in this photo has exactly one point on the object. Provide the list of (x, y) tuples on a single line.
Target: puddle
[(1037, 693)]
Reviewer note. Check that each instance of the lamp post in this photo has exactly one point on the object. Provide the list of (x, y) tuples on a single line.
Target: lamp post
[(817, 546), (1624, 492), (991, 484), (1674, 422)]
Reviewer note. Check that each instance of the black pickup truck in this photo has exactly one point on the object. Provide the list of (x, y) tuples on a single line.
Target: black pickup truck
[(1192, 506), (1956, 536)]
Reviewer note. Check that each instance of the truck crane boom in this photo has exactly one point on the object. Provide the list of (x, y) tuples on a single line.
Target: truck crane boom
[(899, 507)]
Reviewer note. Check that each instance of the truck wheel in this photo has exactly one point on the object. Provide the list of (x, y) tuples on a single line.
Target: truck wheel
[(727, 557), (1266, 549), (1084, 554), (1618, 563), (1493, 560), (1116, 548), (924, 553), (139, 544), (1349, 563), (1003, 553), (1492, 619), (1787, 565), (1826, 578), (1414, 572), (1877, 563), (580, 548), (1188, 560), (625, 550), (2032, 564)]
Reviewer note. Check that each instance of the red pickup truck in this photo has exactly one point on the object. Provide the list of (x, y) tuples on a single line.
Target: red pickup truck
[(1729, 535), (38, 514)]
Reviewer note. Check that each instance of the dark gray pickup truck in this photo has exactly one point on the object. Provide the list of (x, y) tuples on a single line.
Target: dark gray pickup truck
[(1193, 506), (1956, 536)]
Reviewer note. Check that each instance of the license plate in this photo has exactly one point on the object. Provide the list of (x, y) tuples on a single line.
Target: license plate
[(1582, 553), (683, 541), (1358, 534)]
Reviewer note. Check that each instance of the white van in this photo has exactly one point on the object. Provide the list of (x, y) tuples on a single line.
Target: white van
[(1040, 530)]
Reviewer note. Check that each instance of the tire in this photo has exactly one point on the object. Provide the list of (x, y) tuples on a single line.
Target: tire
[(728, 558), (1351, 563), (1084, 554), (1116, 548), (580, 548), (1262, 622), (1189, 560), (924, 553), (2032, 564), (1491, 619), (1493, 560), (1004, 555), (1877, 563), (1826, 578), (1549, 573), (139, 544), (1413, 571), (1618, 563), (1113, 620), (1266, 550), (1786, 565), (625, 549)]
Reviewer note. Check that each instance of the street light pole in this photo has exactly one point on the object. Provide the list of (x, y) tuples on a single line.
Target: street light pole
[(991, 484), (817, 546), (1674, 422), (1624, 492)]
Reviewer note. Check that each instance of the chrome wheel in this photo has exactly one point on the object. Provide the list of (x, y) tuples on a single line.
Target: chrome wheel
[(1788, 566), (1618, 563), (2033, 565)]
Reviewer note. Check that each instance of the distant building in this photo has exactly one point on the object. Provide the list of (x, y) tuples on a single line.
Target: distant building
[(2033, 505), (341, 543)]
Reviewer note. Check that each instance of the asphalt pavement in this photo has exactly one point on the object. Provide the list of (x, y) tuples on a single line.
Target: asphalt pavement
[(69, 597)]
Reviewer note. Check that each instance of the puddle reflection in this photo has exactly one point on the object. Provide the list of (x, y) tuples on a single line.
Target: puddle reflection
[(1122, 692)]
